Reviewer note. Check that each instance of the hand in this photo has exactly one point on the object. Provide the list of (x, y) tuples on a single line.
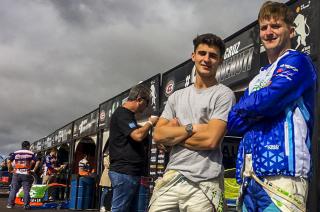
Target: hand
[(164, 148), (153, 119), (199, 127)]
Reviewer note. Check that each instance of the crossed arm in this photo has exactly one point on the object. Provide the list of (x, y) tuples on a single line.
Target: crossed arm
[(204, 136)]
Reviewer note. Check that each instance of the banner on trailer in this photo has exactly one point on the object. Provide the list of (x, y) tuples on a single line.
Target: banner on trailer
[(48, 142), (86, 125), (177, 78), (33, 146), (153, 84), (107, 108), (305, 39), (241, 59), (41, 143), (64, 134)]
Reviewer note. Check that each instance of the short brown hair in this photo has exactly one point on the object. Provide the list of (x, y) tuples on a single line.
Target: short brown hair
[(211, 40), (276, 10)]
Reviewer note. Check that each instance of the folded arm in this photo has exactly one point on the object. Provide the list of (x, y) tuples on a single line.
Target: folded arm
[(286, 85), (206, 137), (169, 132)]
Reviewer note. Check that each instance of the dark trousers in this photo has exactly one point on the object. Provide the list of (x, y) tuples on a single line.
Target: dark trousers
[(125, 188), (18, 180)]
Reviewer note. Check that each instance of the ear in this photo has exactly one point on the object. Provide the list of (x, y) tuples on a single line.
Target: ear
[(193, 55), (292, 31)]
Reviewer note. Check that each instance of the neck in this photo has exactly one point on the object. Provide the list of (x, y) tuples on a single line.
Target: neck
[(206, 82), (273, 55)]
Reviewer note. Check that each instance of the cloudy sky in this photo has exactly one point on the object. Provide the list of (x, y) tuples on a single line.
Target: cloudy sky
[(60, 59)]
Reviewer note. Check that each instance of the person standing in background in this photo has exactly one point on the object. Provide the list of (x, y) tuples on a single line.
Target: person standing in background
[(84, 166), (127, 142), (105, 182), (37, 169), (23, 159), (51, 167)]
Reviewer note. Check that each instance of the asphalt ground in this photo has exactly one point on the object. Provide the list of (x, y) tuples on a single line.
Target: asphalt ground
[(3, 204)]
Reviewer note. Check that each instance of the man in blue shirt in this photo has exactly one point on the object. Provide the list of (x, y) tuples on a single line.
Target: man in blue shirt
[(275, 117)]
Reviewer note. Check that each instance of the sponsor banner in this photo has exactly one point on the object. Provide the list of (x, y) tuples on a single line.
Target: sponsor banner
[(153, 84), (177, 78), (153, 154), (63, 135), (241, 59), (40, 144), (33, 146), (306, 25), (49, 141), (107, 108), (86, 125)]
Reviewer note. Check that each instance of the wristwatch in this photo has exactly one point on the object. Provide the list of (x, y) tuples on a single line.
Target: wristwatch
[(189, 129)]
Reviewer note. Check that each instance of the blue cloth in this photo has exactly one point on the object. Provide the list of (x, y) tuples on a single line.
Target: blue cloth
[(19, 180), (125, 189), (275, 116), (255, 198), (104, 194)]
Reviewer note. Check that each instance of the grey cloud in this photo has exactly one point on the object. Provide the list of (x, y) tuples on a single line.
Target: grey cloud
[(60, 59)]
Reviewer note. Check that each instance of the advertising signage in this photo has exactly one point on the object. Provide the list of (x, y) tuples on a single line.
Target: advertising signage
[(177, 78), (64, 134), (41, 144), (37, 145), (306, 26), (241, 59), (33, 146), (48, 142), (86, 125), (107, 108), (153, 84)]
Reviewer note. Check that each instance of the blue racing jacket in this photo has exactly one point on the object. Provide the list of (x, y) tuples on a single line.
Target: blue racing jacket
[(275, 117)]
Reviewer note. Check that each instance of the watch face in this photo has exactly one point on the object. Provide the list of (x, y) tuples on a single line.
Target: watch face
[(189, 129)]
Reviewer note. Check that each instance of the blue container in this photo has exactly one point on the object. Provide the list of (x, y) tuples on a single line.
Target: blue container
[(85, 192), (73, 192)]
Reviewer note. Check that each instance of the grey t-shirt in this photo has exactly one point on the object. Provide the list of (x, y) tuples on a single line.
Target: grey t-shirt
[(198, 106)]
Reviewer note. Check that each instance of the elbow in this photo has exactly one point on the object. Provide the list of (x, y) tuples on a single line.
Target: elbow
[(213, 144), (156, 135), (138, 138)]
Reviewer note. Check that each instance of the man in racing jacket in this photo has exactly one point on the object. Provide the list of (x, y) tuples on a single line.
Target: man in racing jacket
[(23, 160), (275, 118)]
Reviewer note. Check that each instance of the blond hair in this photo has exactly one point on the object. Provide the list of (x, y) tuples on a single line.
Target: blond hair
[(276, 10)]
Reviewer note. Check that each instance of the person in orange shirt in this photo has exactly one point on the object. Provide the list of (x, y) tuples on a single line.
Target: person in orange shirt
[(84, 166)]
